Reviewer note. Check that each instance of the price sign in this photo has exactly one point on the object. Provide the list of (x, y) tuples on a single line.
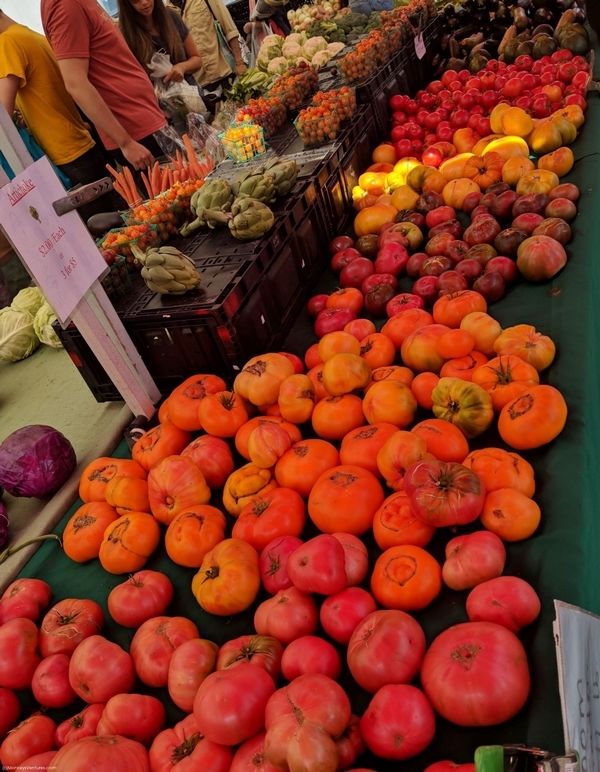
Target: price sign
[(420, 48), (576, 634), (57, 250)]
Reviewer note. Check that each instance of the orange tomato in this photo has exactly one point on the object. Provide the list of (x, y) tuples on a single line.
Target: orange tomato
[(534, 418), (301, 466), (334, 417), (444, 440), (280, 512), (377, 350), (361, 446), (498, 468), (399, 452), (389, 402), (399, 327), (344, 500), (455, 344), (422, 387), (406, 577), (510, 515), (395, 524), (463, 367)]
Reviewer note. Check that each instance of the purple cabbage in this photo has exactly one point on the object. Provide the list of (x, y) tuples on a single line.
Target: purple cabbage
[(3, 525), (35, 461)]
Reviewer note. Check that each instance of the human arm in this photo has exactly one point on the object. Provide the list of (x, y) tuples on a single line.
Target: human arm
[(85, 94), (240, 65), (231, 33), (191, 64), (9, 86)]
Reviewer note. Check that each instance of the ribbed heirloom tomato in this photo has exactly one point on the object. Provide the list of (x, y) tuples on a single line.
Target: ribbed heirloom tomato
[(67, 624), (280, 512), (444, 494), (395, 523), (184, 749)]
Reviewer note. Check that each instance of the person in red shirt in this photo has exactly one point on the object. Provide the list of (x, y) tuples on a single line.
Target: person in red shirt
[(104, 78)]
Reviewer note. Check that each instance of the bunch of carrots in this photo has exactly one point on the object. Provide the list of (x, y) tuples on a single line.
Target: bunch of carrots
[(158, 178)]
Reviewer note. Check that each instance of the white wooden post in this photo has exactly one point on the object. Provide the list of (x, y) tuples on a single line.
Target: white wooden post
[(94, 315)]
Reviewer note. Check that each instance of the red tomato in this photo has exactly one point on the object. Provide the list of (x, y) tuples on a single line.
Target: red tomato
[(34, 735), (83, 724), (230, 704), (190, 664), (99, 669), (24, 598), (298, 368), (444, 493), (318, 565), (10, 709), (117, 754), (250, 757), (341, 613), (476, 674), (356, 559), (68, 623), (280, 512), (183, 749), (286, 616), (473, 558), (273, 563), (144, 595), (136, 716), (153, 645), (50, 683), (303, 719), (399, 722), (506, 600), (310, 654), (39, 761), (260, 650), (18, 658), (450, 766), (387, 647), (351, 744)]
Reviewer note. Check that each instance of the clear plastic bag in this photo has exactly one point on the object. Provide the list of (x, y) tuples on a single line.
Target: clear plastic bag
[(177, 100)]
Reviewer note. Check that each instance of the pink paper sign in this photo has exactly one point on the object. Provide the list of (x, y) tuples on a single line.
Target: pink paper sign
[(58, 250)]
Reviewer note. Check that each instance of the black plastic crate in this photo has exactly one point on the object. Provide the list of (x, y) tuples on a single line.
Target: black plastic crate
[(396, 83), (420, 71)]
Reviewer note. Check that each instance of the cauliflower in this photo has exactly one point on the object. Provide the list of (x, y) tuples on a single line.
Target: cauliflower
[(291, 50), (296, 37), (278, 65), (320, 59), (334, 49), (313, 45), (272, 41)]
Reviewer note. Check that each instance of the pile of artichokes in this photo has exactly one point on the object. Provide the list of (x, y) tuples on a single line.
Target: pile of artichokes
[(243, 205)]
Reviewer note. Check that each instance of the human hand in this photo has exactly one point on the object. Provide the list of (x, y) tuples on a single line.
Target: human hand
[(137, 155), (240, 68), (175, 76)]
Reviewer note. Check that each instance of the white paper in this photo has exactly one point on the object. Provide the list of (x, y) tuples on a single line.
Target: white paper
[(577, 639), (420, 48), (58, 250)]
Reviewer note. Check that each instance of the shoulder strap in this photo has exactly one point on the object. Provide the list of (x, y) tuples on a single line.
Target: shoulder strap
[(208, 5)]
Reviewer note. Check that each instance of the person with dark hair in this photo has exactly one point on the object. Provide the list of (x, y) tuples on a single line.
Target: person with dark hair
[(148, 27), (104, 78)]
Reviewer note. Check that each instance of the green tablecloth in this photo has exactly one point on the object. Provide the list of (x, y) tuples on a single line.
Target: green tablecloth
[(560, 561)]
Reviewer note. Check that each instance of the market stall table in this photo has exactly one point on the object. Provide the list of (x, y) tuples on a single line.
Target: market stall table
[(559, 561)]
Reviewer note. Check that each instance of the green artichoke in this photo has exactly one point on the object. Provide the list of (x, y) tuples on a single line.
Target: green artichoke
[(250, 219)]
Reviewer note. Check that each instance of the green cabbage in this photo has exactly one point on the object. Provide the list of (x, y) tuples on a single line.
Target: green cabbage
[(28, 299), (42, 325), (17, 337)]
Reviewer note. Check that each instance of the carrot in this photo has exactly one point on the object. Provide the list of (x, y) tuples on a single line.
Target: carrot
[(191, 154), (156, 179), (135, 195), (121, 192), (170, 177), (147, 185)]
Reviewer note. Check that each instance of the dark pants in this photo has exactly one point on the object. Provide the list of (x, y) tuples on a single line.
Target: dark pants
[(88, 168)]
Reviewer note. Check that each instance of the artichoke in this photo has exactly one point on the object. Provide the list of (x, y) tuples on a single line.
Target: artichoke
[(257, 184), (285, 174), (250, 219), (167, 271), (209, 203)]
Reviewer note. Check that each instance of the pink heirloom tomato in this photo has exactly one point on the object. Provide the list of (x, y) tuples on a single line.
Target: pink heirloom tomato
[(444, 493), (387, 647), (188, 667), (24, 598), (260, 650), (136, 716), (287, 615), (18, 657), (184, 749), (144, 595), (230, 704), (399, 722), (476, 674)]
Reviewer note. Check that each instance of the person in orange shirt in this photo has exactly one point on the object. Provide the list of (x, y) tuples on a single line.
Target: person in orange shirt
[(104, 78)]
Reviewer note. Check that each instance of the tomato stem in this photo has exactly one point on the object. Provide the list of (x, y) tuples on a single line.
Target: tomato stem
[(5, 554)]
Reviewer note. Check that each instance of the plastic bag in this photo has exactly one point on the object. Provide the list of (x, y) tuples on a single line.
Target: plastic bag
[(260, 30), (160, 65), (205, 140)]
